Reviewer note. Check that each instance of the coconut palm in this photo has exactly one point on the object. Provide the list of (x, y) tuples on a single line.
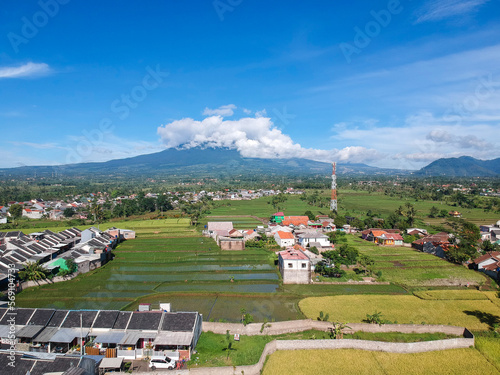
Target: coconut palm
[(33, 271)]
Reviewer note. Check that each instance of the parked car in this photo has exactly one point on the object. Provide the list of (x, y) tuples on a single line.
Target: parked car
[(163, 362)]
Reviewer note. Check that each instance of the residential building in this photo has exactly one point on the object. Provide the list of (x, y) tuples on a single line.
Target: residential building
[(294, 266), (284, 239)]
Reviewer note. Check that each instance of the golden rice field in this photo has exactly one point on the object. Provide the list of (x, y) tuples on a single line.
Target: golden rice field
[(404, 309), (468, 294), (358, 362)]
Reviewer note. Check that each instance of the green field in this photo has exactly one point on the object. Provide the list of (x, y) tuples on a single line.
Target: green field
[(357, 203), (409, 267)]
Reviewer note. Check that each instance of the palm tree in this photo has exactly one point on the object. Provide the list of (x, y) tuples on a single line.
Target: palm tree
[(33, 271)]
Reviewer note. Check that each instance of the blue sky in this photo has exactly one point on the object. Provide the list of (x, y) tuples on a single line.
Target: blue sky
[(388, 83)]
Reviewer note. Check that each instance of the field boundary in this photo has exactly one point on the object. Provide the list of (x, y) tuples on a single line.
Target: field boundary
[(390, 347), (292, 326)]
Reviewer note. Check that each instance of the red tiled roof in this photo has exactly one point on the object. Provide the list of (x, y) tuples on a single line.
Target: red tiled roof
[(394, 236), (295, 220), (482, 258), (285, 235)]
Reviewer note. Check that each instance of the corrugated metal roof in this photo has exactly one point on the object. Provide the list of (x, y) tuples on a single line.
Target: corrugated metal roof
[(173, 338), (67, 335), (46, 334), (131, 338), (110, 337), (29, 331), (111, 363)]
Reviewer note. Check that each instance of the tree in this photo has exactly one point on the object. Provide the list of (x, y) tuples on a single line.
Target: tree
[(434, 212), (278, 200), (310, 215), (70, 268), (68, 212), (33, 271), (16, 210), (229, 343), (465, 240)]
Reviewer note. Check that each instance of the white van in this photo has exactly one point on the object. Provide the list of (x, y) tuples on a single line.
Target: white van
[(162, 362)]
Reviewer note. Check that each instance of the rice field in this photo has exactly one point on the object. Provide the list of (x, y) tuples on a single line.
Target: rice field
[(409, 267), (357, 362), (405, 309)]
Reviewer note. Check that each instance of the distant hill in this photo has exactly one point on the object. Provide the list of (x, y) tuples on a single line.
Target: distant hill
[(197, 162), (464, 166)]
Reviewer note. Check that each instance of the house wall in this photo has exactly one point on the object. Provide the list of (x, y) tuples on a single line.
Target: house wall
[(295, 274), (232, 244)]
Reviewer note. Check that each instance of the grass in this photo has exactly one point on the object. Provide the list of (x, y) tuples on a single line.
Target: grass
[(490, 349), (451, 295), (357, 362), (409, 267), (473, 314)]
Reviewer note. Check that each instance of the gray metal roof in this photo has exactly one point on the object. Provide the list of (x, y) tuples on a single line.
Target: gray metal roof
[(111, 363), (4, 331), (131, 338), (29, 331), (67, 335), (173, 338), (46, 334), (110, 337)]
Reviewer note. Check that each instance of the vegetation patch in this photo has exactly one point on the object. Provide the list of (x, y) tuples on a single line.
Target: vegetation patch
[(451, 295), (473, 314), (358, 362)]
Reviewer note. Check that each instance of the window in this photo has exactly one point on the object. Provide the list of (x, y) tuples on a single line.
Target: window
[(290, 265), (304, 265)]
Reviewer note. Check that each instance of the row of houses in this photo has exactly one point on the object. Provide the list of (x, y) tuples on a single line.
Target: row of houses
[(134, 334), (89, 249)]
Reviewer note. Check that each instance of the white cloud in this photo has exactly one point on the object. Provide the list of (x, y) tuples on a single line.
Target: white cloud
[(465, 141), (252, 137), (247, 111), (437, 10), (224, 111), (23, 71), (262, 113)]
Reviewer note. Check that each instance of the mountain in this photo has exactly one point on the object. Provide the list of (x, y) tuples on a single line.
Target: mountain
[(196, 162), (464, 166)]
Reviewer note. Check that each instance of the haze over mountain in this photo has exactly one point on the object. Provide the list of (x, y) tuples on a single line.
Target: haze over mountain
[(198, 162), (464, 166)]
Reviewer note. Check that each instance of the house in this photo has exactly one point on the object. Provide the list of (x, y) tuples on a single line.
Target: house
[(295, 221), (489, 263), (132, 333), (455, 214), (277, 217), (308, 238), (294, 266), (436, 244), (214, 227), (418, 232), (121, 234), (32, 214), (284, 239), (390, 239)]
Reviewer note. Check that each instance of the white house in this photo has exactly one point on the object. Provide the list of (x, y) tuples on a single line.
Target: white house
[(32, 214), (307, 237), (284, 239), (489, 263), (295, 266)]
